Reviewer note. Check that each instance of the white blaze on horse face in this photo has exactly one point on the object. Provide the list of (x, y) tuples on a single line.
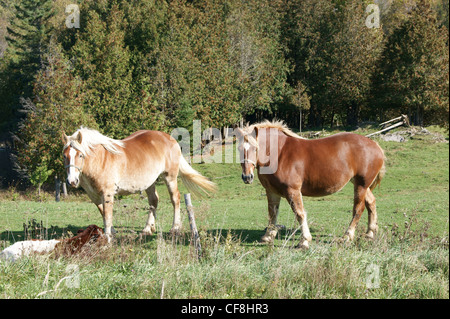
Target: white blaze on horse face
[(246, 147), (248, 164), (74, 173)]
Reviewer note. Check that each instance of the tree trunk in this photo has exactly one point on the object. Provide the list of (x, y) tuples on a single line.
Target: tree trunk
[(352, 114), (300, 120), (314, 118)]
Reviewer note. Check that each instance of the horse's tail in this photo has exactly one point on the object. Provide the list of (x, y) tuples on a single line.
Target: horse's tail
[(193, 180), (381, 172), (379, 177)]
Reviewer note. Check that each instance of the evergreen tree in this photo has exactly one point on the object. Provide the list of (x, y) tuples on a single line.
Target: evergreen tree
[(333, 54), (57, 106), (307, 28), (352, 55), (27, 35), (118, 97), (256, 55), (413, 72)]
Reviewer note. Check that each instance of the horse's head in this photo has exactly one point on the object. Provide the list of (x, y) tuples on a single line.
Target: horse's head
[(73, 158), (248, 149)]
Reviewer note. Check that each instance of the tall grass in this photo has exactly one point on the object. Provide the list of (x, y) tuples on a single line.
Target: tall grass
[(387, 267)]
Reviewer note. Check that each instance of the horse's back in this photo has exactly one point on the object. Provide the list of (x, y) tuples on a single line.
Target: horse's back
[(346, 143), (355, 155), (146, 135), (323, 166), (145, 140), (147, 154)]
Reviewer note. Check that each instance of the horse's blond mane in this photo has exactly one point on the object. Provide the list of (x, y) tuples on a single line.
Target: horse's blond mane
[(92, 138), (278, 124)]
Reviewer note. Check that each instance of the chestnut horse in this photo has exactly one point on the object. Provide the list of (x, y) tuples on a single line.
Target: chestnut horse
[(291, 167), (104, 167)]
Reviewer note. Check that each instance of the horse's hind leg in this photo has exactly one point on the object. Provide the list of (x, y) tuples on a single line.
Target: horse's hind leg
[(295, 200), (172, 186), (358, 209), (274, 205), (153, 198), (371, 208)]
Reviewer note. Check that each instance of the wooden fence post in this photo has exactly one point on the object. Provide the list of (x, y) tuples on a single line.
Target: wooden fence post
[(57, 189), (195, 235)]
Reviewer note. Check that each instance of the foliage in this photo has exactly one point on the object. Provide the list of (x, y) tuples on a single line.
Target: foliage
[(333, 54), (40, 175), (162, 64), (114, 96), (57, 107), (26, 36), (412, 76)]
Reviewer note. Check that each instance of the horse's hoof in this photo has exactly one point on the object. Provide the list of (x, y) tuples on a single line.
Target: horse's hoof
[(109, 239), (145, 233), (369, 235), (175, 232), (266, 240), (303, 245), (346, 239)]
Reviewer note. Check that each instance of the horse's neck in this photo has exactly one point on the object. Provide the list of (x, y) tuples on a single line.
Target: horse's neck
[(268, 138), (94, 164), (270, 141)]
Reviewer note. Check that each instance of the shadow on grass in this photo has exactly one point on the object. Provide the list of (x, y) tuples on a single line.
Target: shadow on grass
[(131, 235), (285, 236), (246, 237)]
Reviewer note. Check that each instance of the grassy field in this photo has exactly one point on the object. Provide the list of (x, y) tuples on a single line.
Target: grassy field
[(408, 259)]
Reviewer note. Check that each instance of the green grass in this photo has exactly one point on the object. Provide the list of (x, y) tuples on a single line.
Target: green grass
[(410, 252)]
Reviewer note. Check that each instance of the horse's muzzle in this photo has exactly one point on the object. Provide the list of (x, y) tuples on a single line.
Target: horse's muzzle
[(75, 183), (248, 179)]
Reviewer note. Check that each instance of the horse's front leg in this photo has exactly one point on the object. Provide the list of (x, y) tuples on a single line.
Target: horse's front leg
[(108, 204), (99, 201), (274, 205), (296, 201)]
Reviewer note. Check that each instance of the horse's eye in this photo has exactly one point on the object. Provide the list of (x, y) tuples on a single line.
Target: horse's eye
[(81, 155), (65, 157)]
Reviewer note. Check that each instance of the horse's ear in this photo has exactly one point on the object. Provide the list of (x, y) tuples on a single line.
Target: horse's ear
[(255, 129), (239, 133), (79, 138), (64, 138)]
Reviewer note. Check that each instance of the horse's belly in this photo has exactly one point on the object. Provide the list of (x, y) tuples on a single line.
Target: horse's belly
[(136, 183), (318, 192), (323, 189)]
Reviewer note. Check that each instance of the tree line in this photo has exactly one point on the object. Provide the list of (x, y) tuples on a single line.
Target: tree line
[(156, 64)]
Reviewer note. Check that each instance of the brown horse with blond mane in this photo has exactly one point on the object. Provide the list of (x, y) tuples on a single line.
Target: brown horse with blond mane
[(104, 167), (290, 166)]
